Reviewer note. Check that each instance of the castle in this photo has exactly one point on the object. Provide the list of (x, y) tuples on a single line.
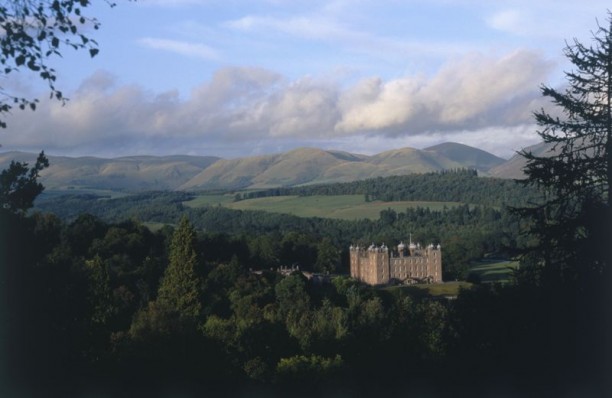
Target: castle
[(378, 265)]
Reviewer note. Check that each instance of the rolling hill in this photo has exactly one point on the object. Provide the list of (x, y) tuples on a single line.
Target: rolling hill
[(467, 156), (135, 173), (300, 166), (513, 168), (316, 166)]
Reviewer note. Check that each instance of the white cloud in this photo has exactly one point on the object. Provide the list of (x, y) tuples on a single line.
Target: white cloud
[(197, 50), (240, 107), (508, 20), (474, 91)]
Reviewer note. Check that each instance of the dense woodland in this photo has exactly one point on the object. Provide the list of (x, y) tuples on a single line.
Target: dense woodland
[(113, 306), (96, 301), (461, 185), (467, 232)]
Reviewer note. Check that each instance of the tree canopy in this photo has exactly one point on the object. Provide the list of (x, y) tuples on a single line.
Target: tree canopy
[(574, 214), (19, 184)]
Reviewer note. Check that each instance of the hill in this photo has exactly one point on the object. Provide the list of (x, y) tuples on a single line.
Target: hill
[(299, 167), (305, 166), (467, 155), (134, 173), (513, 168)]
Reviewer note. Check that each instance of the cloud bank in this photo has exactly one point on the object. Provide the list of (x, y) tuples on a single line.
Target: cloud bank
[(242, 110)]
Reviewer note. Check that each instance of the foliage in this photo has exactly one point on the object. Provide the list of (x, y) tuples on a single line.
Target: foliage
[(463, 186), (574, 214), (311, 369), (271, 240), (570, 257), (19, 184), (90, 288), (178, 290)]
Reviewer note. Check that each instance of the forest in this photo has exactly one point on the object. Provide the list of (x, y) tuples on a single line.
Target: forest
[(115, 307), (462, 185), (468, 232), (95, 301)]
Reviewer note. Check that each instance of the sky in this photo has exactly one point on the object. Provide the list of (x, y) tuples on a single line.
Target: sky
[(235, 78)]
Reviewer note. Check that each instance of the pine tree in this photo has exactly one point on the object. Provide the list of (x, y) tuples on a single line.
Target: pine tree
[(573, 220), (178, 290)]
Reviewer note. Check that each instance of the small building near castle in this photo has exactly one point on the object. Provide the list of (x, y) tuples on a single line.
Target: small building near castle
[(380, 265)]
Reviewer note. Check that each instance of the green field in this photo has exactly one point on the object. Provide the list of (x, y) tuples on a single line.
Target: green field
[(446, 289), (494, 270), (346, 207)]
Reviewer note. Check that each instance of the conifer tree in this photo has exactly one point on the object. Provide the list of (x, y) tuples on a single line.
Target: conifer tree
[(178, 291), (573, 222), (573, 219)]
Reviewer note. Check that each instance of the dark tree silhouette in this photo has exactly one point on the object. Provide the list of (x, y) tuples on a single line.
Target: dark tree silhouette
[(574, 215), (573, 222), (19, 185)]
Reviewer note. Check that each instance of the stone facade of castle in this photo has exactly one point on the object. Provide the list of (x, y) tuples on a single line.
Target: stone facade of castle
[(379, 265)]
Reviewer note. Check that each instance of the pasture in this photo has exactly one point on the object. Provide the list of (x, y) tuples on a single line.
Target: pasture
[(493, 270), (346, 207), (444, 289)]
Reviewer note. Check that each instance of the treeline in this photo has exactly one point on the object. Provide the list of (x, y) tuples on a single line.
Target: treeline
[(461, 185), (94, 307), (466, 233)]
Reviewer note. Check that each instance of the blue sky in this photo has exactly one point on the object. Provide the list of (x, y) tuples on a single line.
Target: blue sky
[(244, 77)]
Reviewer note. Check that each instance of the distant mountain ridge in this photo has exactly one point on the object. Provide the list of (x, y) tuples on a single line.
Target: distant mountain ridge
[(133, 173), (300, 166), (513, 168)]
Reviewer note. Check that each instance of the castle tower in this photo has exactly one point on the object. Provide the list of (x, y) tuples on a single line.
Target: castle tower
[(355, 254), (434, 262)]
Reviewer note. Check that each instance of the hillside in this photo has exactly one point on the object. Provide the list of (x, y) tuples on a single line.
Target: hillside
[(135, 173), (316, 166), (467, 156), (513, 168), (302, 166)]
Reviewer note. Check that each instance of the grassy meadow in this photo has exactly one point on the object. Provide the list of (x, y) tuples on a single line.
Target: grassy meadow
[(494, 270), (346, 207), (488, 271), (445, 289)]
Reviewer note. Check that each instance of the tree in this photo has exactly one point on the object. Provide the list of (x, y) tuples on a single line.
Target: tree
[(35, 31), (328, 256), (100, 293), (178, 290), (19, 185), (574, 218), (573, 222)]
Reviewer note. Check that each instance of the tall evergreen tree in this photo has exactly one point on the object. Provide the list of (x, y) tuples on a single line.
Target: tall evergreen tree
[(573, 222), (573, 219), (178, 290)]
